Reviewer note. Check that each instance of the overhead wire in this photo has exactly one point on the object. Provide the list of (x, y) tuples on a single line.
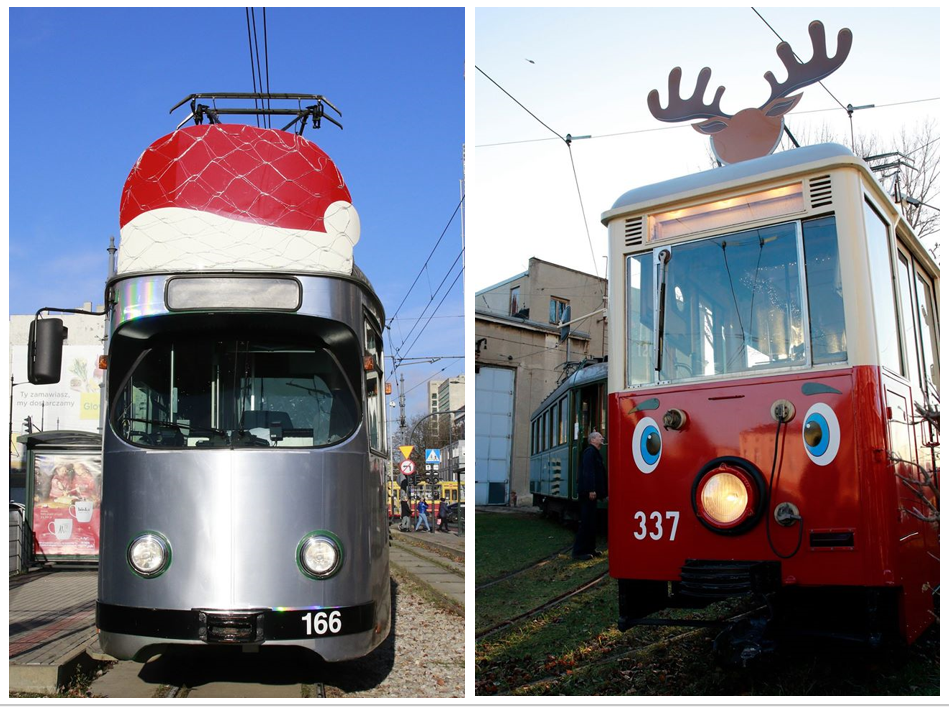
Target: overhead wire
[(431, 299), (267, 66), (422, 269), (444, 297), (681, 127), (250, 46), (798, 58), (567, 142), (260, 81)]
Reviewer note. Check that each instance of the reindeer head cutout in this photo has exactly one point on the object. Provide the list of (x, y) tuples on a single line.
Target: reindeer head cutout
[(752, 132)]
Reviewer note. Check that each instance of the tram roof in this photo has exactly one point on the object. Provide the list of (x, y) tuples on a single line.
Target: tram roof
[(739, 172), (582, 376), (787, 163)]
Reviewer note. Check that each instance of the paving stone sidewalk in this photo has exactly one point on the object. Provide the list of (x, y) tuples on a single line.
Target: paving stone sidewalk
[(52, 623)]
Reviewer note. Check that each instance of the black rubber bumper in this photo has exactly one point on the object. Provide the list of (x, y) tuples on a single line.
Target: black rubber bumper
[(236, 626)]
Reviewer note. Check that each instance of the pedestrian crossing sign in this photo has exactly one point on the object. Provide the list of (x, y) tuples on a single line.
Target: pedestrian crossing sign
[(433, 456)]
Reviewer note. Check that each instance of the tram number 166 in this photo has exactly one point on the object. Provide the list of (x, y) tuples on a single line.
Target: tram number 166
[(650, 525), (322, 623)]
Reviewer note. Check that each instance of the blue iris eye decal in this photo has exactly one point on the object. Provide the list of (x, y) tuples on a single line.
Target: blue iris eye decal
[(651, 445), (821, 434), (647, 445), (816, 434)]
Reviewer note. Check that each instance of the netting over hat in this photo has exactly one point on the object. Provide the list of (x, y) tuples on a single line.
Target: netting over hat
[(236, 197)]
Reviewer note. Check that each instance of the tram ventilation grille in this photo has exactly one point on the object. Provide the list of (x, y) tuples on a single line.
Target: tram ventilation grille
[(718, 579), (821, 192), (634, 231)]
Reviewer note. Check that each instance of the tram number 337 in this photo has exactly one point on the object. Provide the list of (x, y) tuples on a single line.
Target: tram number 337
[(650, 525), (321, 623)]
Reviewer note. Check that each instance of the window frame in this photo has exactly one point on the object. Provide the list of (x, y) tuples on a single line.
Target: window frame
[(371, 326)]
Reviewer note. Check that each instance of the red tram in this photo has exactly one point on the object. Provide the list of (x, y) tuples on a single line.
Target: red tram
[(773, 326)]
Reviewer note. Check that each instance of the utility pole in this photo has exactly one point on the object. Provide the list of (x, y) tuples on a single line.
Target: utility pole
[(402, 402)]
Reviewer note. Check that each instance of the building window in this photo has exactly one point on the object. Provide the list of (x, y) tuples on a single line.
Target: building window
[(557, 308), (515, 301)]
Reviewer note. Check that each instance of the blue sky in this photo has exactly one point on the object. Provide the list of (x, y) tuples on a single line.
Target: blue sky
[(90, 89)]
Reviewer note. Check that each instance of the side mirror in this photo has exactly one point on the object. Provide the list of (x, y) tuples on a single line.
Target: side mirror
[(45, 353)]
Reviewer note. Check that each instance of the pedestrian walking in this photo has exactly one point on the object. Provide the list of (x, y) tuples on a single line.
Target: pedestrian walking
[(591, 488), (443, 515), (422, 507), (405, 524)]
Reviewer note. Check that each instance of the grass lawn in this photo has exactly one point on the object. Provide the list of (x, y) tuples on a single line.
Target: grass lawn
[(512, 541), (533, 588), (575, 649)]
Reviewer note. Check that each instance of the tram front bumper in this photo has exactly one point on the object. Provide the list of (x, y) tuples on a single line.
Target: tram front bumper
[(336, 633)]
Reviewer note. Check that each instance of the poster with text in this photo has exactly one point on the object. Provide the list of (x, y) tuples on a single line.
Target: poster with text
[(67, 493)]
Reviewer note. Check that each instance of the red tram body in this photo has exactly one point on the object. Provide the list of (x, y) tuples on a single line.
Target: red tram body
[(773, 325)]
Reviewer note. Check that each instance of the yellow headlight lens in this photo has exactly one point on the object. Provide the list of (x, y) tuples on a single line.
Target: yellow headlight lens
[(724, 498)]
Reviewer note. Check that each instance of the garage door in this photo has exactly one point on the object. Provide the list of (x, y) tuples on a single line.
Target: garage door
[(494, 419)]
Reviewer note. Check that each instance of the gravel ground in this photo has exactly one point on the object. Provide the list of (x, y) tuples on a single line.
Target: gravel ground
[(424, 655)]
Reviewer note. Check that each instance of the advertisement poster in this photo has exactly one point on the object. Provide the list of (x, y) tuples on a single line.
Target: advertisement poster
[(71, 404), (67, 492)]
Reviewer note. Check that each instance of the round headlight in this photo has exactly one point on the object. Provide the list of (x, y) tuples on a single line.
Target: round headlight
[(320, 556), (724, 498), (149, 554), (728, 495)]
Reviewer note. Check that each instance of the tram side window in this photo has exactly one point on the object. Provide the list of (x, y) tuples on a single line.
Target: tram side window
[(564, 419), (824, 292), (375, 393), (929, 333), (881, 283), (639, 319), (554, 425), (909, 332)]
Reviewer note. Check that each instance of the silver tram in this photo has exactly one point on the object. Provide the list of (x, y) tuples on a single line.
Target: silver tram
[(244, 448)]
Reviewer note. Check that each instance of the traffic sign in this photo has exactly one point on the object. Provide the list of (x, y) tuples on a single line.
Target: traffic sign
[(433, 456), (407, 450), (407, 467)]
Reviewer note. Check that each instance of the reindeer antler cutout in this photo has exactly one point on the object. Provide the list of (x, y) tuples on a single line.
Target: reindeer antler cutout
[(752, 132), (819, 66)]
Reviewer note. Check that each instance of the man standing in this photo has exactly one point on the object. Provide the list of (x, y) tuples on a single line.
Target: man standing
[(591, 488)]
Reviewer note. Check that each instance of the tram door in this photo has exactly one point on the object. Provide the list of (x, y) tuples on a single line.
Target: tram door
[(589, 414)]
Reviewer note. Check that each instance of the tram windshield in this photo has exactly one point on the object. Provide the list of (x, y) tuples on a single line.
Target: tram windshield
[(735, 303), (218, 391)]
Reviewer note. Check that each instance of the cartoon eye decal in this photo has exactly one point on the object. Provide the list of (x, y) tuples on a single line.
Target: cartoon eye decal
[(647, 445), (821, 434)]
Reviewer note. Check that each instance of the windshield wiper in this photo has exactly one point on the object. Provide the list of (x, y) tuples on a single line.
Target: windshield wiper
[(175, 425), (665, 255)]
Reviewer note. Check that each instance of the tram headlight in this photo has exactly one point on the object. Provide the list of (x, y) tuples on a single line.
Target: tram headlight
[(320, 555), (728, 495), (149, 555), (724, 498)]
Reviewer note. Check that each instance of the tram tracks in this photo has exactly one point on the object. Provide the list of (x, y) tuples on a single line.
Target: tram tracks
[(486, 633), (540, 563), (572, 636), (633, 652)]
